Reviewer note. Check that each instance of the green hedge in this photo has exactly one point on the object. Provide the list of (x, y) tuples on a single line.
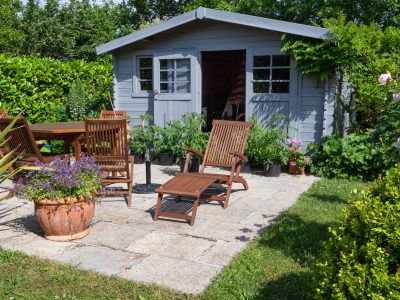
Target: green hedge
[(362, 258), (39, 85)]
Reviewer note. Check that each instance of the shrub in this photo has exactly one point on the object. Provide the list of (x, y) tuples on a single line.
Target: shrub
[(141, 136), (363, 156), (362, 258), (39, 86), (265, 143)]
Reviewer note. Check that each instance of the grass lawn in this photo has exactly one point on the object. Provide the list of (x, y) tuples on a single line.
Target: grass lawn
[(274, 266)]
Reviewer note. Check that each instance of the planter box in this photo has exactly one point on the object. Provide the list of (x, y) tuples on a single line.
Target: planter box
[(165, 159), (293, 169), (139, 158), (194, 165), (274, 170)]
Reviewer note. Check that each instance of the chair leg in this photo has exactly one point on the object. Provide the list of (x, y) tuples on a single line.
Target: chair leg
[(243, 181), (228, 194), (158, 207), (130, 184), (129, 194), (194, 210)]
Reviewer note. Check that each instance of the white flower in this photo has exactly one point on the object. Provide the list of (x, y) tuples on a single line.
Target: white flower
[(397, 144), (396, 97), (384, 78)]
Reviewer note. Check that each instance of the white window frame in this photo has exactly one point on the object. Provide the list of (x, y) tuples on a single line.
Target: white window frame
[(270, 80), (138, 79), (175, 80)]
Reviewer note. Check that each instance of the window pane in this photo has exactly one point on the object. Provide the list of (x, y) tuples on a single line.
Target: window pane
[(166, 87), (280, 87), (261, 74), (183, 63), (261, 61), (175, 75), (280, 74), (280, 60), (146, 74), (260, 87), (145, 62), (167, 75), (183, 76), (164, 64), (146, 85), (183, 87)]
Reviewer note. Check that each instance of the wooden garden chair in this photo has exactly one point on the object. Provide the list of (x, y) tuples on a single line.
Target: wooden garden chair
[(5, 150), (107, 141), (225, 149), (22, 140), (112, 114)]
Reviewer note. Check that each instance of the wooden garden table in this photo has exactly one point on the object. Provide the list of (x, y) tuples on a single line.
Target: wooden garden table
[(70, 132)]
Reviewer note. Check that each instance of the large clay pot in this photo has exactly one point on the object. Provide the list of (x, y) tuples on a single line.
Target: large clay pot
[(65, 220)]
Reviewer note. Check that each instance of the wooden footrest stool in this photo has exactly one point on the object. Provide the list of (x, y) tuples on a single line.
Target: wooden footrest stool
[(183, 185)]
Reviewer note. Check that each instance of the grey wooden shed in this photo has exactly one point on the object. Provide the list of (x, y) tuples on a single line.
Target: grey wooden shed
[(221, 64)]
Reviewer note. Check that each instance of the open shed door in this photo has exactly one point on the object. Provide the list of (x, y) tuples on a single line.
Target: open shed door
[(175, 86)]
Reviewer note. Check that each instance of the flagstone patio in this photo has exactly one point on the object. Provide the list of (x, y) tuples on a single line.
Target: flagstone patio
[(127, 242)]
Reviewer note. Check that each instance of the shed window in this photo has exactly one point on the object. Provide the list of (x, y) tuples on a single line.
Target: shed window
[(271, 74), (175, 76), (145, 73)]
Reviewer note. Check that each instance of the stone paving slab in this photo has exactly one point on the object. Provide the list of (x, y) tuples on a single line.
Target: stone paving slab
[(127, 242)]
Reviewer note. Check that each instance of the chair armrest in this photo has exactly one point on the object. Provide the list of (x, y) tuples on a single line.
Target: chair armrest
[(194, 151), (241, 156)]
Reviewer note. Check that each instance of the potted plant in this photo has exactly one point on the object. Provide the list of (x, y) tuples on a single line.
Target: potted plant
[(63, 195), (297, 159), (194, 137), (140, 138), (166, 142), (265, 147)]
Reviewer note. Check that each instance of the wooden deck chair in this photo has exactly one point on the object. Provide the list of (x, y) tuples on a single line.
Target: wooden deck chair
[(22, 140), (107, 141), (5, 150), (225, 149), (112, 114)]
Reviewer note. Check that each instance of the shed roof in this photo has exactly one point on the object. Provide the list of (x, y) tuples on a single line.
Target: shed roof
[(216, 15)]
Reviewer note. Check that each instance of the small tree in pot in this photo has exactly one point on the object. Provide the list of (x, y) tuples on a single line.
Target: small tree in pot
[(140, 138), (193, 137)]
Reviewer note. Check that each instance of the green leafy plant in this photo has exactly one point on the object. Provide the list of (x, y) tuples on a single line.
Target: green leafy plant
[(265, 144), (180, 134), (141, 136), (39, 86), (192, 134), (361, 260)]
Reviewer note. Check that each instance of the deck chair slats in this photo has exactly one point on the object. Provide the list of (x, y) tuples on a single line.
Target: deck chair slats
[(107, 141), (225, 138), (113, 114), (22, 140)]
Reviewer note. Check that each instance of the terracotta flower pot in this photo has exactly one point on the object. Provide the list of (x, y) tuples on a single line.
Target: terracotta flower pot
[(293, 169), (65, 219)]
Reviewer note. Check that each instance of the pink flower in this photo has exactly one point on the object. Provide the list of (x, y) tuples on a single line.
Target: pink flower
[(306, 160), (292, 163), (384, 78)]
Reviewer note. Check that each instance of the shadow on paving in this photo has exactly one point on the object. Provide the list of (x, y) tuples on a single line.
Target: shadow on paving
[(23, 224), (293, 236), (289, 286)]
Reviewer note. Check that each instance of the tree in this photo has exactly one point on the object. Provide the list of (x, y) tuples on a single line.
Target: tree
[(11, 37)]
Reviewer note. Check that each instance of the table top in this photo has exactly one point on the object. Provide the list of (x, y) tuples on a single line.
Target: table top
[(59, 127)]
